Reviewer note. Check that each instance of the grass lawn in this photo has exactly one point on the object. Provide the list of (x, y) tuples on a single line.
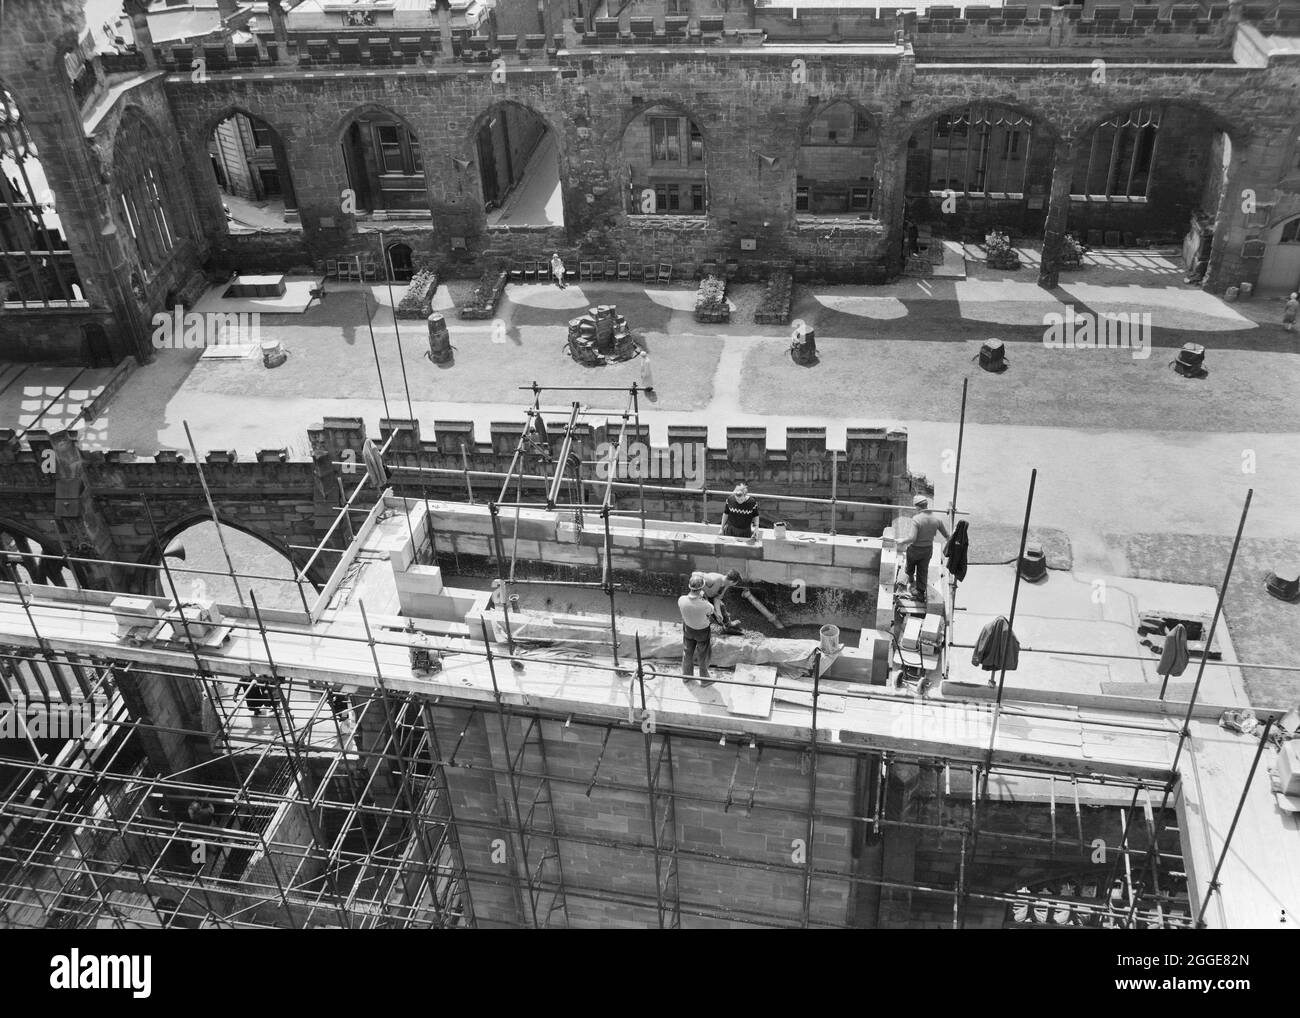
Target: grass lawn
[(1263, 629), (907, 362), (331, 356)]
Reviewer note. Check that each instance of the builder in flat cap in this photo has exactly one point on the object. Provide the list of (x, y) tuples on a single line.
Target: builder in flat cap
[(925, 525)]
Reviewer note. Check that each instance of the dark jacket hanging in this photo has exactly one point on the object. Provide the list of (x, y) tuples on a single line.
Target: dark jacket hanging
[(997, 647), (1174, 658), (955, 551), (374, 463)]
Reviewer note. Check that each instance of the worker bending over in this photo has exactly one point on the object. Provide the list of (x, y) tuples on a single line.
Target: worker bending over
[(716, 586), (921, 545), (697, 617)]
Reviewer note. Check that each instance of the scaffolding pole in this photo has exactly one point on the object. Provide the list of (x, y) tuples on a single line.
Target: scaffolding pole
[(1186, 730), (987, 768)]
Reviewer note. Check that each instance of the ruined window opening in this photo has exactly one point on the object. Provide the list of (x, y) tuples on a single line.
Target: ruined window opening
[(144, 195), (977, 151), (1291, 232), (36, 266), (252, 172), (518, 157), (667, 165), (837, 164), (1120, 156), (385, 167)]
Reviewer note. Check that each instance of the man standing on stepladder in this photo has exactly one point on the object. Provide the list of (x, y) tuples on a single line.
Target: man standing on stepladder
[(921, 545)]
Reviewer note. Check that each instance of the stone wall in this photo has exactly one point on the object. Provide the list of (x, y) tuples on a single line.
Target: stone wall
[(735, 865), (750, 102), (294, 503)]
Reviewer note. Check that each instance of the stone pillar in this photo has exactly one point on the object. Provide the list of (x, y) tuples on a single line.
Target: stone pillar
[(1058, 210), (138, 12), (1057, 26), (82, 529), (1255, 166), (444, 25), (279, 26), (891, 203), (77, 180), (175, 706)]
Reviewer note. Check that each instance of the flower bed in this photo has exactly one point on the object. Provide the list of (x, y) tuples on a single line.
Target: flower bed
[(487, 295), (711, 301), (417, 302), (1001, 255), (1071, 253), (777, 297)]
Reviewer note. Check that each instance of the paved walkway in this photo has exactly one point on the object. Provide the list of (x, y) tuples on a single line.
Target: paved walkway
[(1122, 445)]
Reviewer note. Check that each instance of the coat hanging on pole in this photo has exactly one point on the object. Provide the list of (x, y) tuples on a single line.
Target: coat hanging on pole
[(956, 550), (1174, 658), (374, 463), (997, 647)]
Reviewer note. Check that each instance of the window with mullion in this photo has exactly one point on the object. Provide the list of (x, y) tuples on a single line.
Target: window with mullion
[(665, 140)]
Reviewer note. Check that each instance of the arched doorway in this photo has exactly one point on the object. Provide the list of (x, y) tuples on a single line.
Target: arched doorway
[(400, 267), (518, 161), (97, 351), (252, 172)]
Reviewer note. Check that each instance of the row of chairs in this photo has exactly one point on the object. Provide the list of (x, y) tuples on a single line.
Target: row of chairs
[(349, 270), (611, 271)]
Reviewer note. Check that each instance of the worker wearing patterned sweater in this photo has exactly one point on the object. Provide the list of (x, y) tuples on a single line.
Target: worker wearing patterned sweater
[(740, 513)]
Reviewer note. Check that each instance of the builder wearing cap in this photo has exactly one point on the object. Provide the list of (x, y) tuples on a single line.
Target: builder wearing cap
[(716, 586), (740, 513), (697, 616), (921, 546)]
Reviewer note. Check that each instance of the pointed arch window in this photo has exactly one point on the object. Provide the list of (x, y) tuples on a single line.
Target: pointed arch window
[(36, 266), (981, 150), (1119, 157)]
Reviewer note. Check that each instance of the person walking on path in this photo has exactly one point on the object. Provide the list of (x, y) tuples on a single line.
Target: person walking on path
[(1289, 312), (697, 618), (647, 375)]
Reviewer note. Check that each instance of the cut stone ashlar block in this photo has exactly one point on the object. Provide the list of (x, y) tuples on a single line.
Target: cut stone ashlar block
[(133, 612)]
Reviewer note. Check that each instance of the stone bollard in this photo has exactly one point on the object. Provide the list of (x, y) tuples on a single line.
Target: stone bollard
[(439, 340), (273, 354)]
